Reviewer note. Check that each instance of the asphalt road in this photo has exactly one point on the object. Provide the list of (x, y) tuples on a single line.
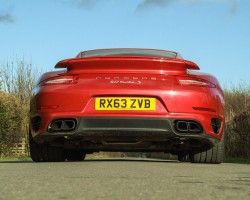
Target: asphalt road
[(123, 179)]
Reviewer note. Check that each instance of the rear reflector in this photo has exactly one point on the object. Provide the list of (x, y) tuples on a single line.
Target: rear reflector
[(48, 107), (204, 109)]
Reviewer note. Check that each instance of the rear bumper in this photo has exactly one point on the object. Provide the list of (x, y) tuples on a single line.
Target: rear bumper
[(127, 134)]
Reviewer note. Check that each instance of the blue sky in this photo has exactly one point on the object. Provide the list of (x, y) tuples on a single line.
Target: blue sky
[(213, 33)]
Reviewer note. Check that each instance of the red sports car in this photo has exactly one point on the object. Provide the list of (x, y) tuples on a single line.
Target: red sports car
[(129, 100)]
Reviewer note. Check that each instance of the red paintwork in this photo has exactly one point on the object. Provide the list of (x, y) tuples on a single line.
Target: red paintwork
[(131, 77)]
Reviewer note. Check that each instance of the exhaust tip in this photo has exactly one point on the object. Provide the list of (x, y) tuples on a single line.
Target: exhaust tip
[(187, 126), (68, 125), (62, 125), (56, 125), (182, 126), (194, 127)]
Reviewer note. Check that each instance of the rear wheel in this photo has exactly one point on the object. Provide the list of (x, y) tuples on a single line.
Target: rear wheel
[(215, 155), (45, 152), (52, 154), (75, 155), (35, 150)]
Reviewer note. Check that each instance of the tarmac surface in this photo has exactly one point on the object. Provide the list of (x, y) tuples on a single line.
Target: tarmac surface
[(123, 178)]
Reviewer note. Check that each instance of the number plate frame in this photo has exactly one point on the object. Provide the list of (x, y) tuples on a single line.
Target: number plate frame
[(125, 103)]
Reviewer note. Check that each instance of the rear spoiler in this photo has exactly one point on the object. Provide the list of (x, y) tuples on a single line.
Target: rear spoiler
[(127, 64)]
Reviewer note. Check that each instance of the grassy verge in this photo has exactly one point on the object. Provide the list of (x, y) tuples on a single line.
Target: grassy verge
[(100, 155), (88, 157), (21, 158), (237, 160)]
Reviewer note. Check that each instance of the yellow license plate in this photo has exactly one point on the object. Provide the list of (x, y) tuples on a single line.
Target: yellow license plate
[(125, 103)]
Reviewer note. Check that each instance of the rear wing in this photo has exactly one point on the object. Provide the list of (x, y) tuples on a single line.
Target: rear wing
[(127, 65)]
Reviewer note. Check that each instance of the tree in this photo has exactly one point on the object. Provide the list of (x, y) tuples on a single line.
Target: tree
[(16, 82)]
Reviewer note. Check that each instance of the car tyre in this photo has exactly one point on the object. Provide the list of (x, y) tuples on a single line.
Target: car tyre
[(45, 152), (75, 155), (52, 154), (35, 150), (215, 155)]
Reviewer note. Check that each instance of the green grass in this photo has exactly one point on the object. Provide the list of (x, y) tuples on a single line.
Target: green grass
[(237, 160), (21, 158)]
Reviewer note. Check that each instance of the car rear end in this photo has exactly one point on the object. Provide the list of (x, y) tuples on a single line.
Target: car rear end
[(128, 103)]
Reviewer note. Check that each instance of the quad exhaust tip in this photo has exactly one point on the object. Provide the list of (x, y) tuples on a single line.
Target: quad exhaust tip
[(62, 125), (187, 126)]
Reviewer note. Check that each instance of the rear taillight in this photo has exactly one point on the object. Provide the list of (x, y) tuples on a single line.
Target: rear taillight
[(69, 79), (189, 80)]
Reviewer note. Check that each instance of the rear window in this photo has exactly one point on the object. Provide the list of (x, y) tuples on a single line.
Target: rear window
[(128, 52)]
